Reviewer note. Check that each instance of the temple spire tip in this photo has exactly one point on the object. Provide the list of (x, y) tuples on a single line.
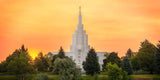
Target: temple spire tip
[(79, 8)]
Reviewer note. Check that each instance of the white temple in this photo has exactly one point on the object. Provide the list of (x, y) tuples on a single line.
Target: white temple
[(80, 47)]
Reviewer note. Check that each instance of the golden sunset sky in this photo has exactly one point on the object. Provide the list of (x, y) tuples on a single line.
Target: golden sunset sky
[(45, 25)]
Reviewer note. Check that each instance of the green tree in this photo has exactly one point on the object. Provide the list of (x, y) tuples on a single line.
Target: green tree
[(146, 55), (3, 67), (20, 66), (91, 65), (61, 53), (114, 72), (76, 74), (113, 58), (126, 65), (41, 63), (135, 63), (64, 67), (129, 53), (157, 59)]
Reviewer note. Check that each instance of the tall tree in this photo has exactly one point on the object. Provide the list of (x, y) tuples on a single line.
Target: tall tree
[(126, 65), (146, 56), (129, 53), (91, 65), (113, 58), (61, 53), (41, 63), (157, 59), (20, 66)]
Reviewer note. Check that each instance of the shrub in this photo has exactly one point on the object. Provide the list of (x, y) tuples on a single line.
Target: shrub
[(42, 76)]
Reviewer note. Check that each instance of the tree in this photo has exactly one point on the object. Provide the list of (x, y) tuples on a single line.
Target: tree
[(61, 53), (3, 67), (64, 67), (126, 65), (113, 58), (135, 63), (41, 63), (146, 56), (91, 65), (129, 53), (20, 66), (76, 74), (157, 59), (114, 72)]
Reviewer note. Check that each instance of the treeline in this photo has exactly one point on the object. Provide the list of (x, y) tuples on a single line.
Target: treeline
[(146, 59), (21, 63)]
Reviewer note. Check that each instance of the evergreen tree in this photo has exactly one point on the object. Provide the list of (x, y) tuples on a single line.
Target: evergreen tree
[(91, 65), (157, 59), (61, 53), (20, 66), (126, 65), (129, 53), (146, 56)]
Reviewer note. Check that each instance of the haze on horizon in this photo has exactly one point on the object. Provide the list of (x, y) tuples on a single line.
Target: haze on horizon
[(45, 25)]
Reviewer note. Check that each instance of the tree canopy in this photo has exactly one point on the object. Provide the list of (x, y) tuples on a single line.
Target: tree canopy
[(20, 63), (91, 65), (146, 56), (126, 65), (64, 67), (41, 63), (113, 58)]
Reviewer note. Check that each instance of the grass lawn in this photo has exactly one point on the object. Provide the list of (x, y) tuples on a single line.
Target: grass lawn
[(100, 77), (146, 77), (7, 77)]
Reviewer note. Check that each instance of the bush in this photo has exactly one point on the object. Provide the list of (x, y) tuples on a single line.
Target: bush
[(42, 76)]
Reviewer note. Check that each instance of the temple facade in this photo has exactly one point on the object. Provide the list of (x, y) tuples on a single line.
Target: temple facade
[(80, 47)]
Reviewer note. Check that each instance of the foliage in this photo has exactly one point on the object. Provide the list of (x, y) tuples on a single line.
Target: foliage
[(3, 67), (64, 67), (42, 76), (20, 66), (126, 65), (146, 56), (41, 63), (113, 71), (157, 59), (113, 58), (61, 53), (11, 57), (76, 74), (129, 53), (91, 65), (135, 63)]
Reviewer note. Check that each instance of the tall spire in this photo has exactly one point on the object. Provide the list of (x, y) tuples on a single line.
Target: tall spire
[(80, 17)]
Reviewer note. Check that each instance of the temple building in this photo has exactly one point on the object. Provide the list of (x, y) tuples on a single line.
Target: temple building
[(80, 47)]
